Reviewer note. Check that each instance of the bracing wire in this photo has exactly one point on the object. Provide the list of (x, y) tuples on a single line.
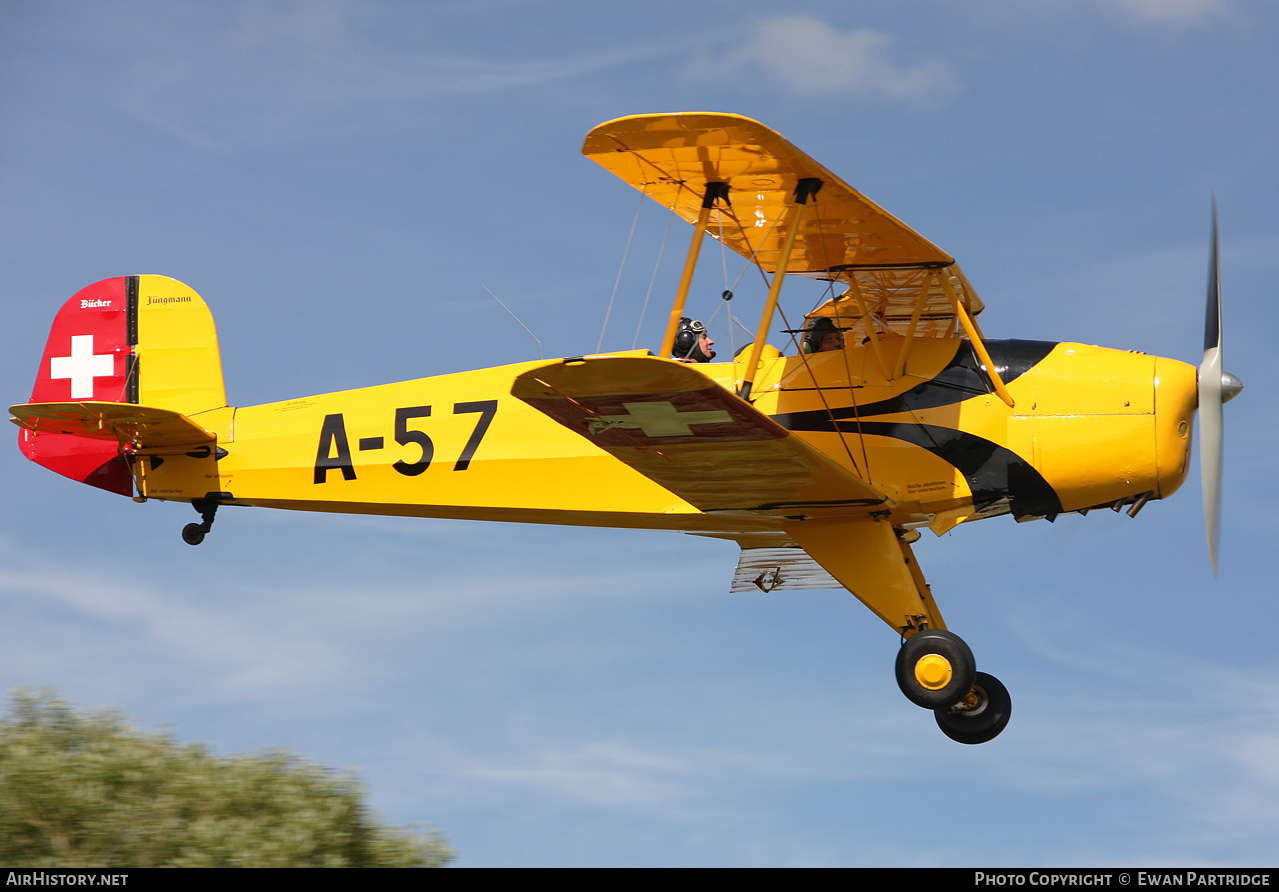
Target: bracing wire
[(821, 395), (830, 289), (540, 353), (653, 279), (618, 281), (750, 261), (728, 291)]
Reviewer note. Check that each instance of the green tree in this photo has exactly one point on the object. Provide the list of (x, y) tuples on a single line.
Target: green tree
[(80, 789)]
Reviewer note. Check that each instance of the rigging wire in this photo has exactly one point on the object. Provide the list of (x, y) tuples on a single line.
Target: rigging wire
[(727, 294), (750, 261), (653, 279), (618, 281), (848, 371), (803, 357), (540, 353), (830, 413)]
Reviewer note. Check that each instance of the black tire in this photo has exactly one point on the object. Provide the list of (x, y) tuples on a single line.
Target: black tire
[(984, 719), (948, 645), (193, 534)]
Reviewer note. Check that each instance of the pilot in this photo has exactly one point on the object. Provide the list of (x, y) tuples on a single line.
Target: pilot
[(692, 343), (821, 335)]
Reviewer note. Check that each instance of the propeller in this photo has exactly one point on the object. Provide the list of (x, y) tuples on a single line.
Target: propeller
[(1216, 387)]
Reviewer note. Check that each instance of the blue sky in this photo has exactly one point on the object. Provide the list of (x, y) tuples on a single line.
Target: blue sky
[(341, 182)]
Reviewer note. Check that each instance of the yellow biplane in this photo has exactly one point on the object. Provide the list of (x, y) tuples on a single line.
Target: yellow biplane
[(823, 463)]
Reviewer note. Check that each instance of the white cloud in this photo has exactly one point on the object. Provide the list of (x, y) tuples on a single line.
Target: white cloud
[(810, 57)]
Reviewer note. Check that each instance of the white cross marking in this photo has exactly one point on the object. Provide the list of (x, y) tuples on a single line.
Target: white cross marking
[(663, 419), (82, 366)]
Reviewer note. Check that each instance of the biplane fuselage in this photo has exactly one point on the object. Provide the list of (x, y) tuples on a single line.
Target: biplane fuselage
[(822, 466), (1091, 427)]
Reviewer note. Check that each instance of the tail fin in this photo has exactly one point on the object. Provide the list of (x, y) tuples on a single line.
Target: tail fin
[(146, 340)]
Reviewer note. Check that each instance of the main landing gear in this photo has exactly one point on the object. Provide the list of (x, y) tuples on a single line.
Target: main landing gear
[(936, 670)]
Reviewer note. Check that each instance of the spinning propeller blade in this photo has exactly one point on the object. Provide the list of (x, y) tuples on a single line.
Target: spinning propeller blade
[(1215, 388)]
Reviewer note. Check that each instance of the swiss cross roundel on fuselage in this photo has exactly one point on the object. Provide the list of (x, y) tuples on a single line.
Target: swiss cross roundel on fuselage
[(86, 356)]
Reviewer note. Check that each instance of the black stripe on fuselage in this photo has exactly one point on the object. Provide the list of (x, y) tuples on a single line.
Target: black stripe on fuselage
[(993, 472), (961, 379)]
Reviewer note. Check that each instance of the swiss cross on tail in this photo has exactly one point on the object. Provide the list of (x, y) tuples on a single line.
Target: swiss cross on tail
[(87, 357), (82, 367)]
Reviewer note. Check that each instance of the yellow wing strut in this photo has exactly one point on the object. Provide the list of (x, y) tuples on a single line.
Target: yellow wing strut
[(974, 335), (714, 192), (804, 189)]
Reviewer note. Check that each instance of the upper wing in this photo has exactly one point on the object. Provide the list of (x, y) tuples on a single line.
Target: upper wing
[(672, 157), (844, 237), (685, 432)]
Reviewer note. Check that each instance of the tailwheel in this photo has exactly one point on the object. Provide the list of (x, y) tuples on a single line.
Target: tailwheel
[(935, 668), (194, 533), (979, 716)]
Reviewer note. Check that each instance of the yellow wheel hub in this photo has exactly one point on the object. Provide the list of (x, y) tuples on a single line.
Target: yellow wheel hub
[(933, 671)]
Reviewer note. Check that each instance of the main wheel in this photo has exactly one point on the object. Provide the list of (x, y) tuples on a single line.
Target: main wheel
[(193, 534), (981, 715), (935, 669)]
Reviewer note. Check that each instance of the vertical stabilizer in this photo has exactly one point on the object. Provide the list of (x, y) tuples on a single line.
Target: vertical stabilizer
[(132, 339)]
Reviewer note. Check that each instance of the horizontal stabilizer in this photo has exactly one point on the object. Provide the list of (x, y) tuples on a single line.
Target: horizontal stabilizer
[(682, 430), (130, 425), (785, 569)]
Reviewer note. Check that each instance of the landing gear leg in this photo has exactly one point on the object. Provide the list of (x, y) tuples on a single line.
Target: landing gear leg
[(194, 533)]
